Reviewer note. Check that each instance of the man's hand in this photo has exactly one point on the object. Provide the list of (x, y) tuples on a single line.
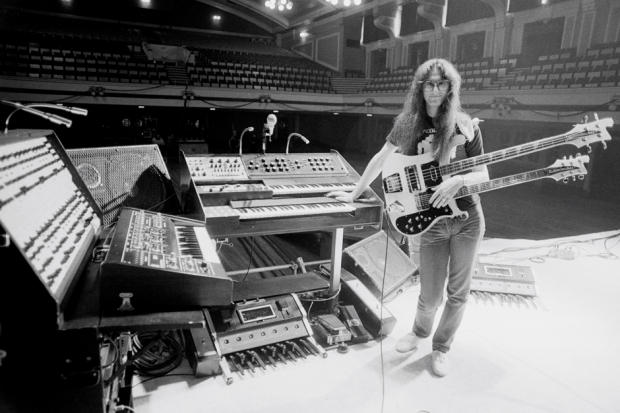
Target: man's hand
[(341, 196), (446, 191)]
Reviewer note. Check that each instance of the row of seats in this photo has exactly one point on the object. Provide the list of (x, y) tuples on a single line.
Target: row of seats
[(279, 58), (606, 78), (572, 66), (604, 51), (232, 68), (60, 64), (266, 85)]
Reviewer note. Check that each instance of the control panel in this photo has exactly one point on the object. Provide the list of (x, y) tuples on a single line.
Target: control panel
[(309, 164), (259, 323), (207, 168), (43, 211)]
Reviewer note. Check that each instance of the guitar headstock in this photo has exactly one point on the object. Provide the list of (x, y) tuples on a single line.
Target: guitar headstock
[(562, 169), (587, 133)]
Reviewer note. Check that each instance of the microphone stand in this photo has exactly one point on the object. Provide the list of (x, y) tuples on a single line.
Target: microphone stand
[(59, 120), (295, 134), (248, 129), (265, 134)]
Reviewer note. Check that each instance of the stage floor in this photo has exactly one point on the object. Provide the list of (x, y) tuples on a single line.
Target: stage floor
[(560, 357)]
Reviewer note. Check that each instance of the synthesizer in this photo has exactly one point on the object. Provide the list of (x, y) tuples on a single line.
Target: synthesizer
[(159, 262), (49, 219), (260, 194)]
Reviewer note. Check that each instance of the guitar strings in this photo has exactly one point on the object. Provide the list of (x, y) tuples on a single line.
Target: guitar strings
[(510, 152)]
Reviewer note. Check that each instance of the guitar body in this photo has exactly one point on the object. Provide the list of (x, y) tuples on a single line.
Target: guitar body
[(419, 222), (408, 183)]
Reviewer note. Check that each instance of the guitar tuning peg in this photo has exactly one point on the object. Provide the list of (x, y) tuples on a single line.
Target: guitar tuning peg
[(574, 178), (589, 149), (604, 144), (565, 180), (581, 177), (578, 154), (585, 119), (596, 116)]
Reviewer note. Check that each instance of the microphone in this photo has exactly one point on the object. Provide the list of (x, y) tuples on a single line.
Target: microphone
[(59, 120), (71, 109), (295, 134), (271, 122), (249, 129)]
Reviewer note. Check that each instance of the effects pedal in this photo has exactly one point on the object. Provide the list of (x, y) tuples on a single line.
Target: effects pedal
[(349, 317), (336, 331)]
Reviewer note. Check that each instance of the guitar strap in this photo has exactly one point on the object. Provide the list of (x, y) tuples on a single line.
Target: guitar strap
[(466, 126)]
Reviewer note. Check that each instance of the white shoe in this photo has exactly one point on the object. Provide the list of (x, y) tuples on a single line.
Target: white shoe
[(407, 342), (441, 364)]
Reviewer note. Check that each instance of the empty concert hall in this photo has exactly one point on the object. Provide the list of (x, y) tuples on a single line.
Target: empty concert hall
[(271, 206)]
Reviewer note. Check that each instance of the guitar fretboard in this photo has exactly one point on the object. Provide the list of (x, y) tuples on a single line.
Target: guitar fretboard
[(422, 200), (513, 152)]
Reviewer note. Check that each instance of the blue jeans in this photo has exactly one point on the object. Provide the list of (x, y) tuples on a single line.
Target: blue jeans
[(449, 250)]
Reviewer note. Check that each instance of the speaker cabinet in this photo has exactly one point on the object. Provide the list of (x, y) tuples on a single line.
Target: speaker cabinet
[(381, 265), (126, 176)]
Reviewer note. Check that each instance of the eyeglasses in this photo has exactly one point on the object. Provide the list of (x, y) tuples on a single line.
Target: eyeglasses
[(442, 85)]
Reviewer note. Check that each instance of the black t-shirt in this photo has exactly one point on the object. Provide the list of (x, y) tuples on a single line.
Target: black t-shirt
[(469, 149)]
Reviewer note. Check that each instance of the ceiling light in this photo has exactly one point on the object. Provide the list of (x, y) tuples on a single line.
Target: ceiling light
[(280, 4), (303, 34)]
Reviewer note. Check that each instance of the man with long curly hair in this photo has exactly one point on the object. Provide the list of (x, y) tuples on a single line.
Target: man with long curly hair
[(432, 120)]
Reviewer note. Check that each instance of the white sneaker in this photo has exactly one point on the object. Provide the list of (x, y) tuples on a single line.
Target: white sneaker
[(441, 364), (407, 342)]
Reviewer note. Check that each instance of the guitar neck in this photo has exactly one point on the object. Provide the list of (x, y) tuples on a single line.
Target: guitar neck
[(502, 182), (509, 153)]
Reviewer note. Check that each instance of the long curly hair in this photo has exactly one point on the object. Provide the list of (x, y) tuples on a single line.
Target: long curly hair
[(409, 124)]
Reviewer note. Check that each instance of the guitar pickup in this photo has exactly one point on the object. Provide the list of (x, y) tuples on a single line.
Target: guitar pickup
[(392, 184)]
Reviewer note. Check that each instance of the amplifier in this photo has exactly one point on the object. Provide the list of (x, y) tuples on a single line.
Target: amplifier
[(381, 265), (508, 279), (126, 176)]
